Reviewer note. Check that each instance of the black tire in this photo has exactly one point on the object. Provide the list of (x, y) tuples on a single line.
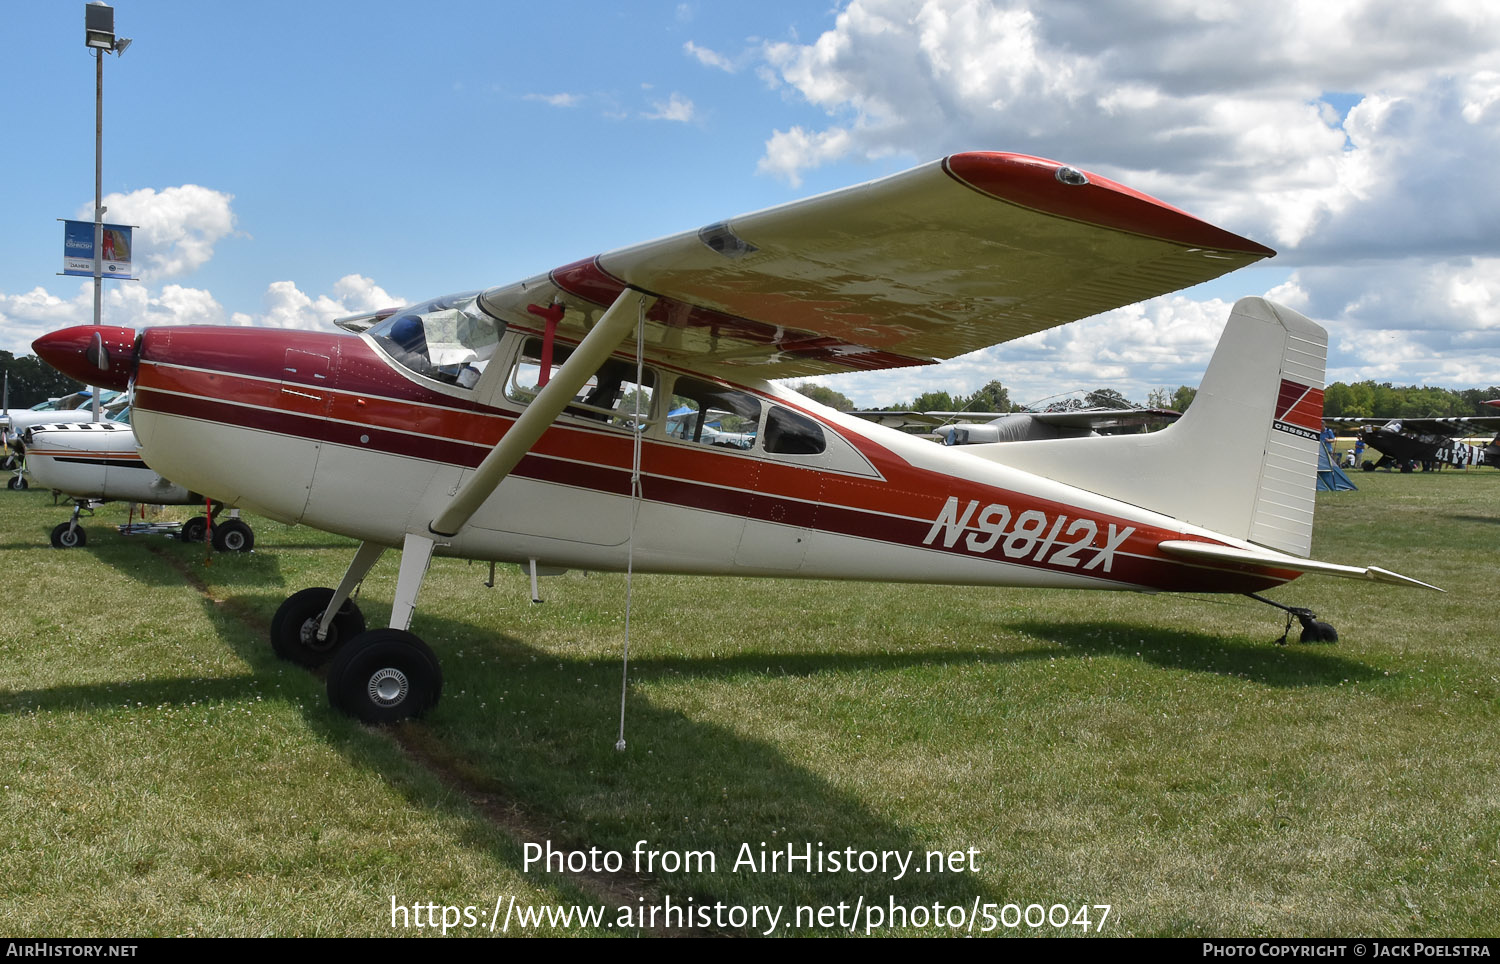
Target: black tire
[(193, 529), (384, 676), (294, 628), (233, 536), (68, 536), (1367, 465), (17, 483), (1320, 632)]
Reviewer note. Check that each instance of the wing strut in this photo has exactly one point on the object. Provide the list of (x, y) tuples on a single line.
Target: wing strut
[(416, 550), (549, 403)]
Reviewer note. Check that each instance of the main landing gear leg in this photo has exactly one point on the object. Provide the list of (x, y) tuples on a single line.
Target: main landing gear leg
[(389, 675), (1313, 631), (365, 558), (312, 624)]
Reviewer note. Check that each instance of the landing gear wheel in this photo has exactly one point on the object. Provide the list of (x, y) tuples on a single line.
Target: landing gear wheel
[(384, 676), (294, 628), (66, 535), (1367, 466), (193, 529), (233, 536), (17, 483)]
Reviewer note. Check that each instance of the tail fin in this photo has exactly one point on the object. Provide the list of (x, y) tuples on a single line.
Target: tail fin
[(1243, 461)]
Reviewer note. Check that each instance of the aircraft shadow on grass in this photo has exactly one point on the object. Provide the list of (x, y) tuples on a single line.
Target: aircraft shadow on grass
[(1291, 666), (156, 561), (1482, 519), (149, 692)]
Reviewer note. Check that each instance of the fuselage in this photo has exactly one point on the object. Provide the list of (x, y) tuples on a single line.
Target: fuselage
[(97, 460), (334, 431)]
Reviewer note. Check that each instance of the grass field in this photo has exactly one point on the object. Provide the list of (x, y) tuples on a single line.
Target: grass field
[(164, 774)]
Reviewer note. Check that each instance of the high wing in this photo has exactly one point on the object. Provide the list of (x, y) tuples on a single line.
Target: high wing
[(947, 258), (1462, 426)]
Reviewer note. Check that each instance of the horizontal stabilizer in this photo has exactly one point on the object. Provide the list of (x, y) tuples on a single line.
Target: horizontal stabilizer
[(1262, 557)]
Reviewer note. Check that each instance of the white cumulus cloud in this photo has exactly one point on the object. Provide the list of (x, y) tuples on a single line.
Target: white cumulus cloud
[(674, 108), (709, 58), (176, 227), (287, 306)]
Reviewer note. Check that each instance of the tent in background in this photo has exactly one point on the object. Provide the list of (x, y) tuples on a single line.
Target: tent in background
[(1331, 478)]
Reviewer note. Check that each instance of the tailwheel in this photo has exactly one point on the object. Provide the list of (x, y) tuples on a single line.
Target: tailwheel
[(1313, 630), (69, 535), (384, 676), (233, 536), (294, 628)]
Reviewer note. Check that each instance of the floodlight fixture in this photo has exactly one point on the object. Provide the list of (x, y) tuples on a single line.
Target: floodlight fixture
[(99, 25)]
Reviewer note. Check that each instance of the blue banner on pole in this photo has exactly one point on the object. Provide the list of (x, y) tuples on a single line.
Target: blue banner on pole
[(78, 250)]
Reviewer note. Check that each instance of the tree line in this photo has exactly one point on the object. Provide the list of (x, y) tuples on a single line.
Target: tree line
[(32, 380), (1366, 399), (1370, 399)]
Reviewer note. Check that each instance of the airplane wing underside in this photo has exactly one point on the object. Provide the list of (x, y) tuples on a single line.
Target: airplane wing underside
[(944, 259)]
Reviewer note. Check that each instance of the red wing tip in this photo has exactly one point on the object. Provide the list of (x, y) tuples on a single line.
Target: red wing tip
[(1056, 188)]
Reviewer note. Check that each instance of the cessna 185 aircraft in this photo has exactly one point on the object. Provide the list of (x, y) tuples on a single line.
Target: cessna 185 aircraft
[(529, 421)]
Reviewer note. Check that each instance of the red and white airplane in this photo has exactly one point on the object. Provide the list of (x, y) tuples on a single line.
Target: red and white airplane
[(528, 422)]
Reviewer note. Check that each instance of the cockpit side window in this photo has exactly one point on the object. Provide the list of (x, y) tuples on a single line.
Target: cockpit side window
[(449, 340)]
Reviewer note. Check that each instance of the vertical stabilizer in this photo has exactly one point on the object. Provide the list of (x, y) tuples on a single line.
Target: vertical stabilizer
[(1243, 460)]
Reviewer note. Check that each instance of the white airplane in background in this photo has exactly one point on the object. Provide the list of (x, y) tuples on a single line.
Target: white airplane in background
[(94, 462), (77, 407), (455, 426), (974, 428)]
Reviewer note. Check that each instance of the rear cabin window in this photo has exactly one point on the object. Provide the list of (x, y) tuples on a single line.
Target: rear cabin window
[(792, 433), (610, 396)]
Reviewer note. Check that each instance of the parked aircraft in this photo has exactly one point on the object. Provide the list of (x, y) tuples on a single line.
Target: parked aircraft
[(971, 428), (461, 426), (77, 407), (93, 462), (1407, 440)]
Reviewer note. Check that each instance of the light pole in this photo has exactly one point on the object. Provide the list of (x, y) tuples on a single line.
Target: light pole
[(99, 36)]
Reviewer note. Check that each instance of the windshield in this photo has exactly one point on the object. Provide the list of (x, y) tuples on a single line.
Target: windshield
[(448, 339)]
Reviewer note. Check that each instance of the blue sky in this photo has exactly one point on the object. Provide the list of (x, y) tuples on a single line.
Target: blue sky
[(289, 162)]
